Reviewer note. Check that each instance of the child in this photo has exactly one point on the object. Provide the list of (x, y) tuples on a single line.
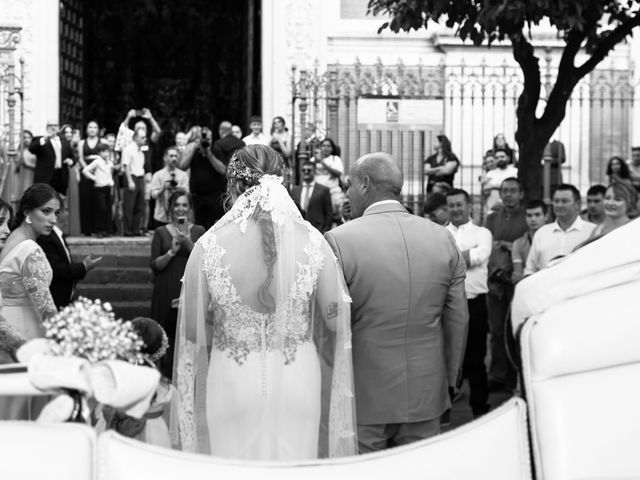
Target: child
[(100, 171), (152, 428)]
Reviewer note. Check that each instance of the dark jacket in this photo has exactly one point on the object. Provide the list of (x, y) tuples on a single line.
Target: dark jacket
[(223, 148), (46, 159), (320, 210), (65, 272)]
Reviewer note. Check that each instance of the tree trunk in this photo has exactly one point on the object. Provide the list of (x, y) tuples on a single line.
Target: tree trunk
[(530, 163)]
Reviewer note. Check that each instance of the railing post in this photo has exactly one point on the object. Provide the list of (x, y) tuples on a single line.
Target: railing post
[(332, 104), (303, 154)]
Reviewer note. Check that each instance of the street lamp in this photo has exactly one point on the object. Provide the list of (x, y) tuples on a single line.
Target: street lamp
[(12, 86)]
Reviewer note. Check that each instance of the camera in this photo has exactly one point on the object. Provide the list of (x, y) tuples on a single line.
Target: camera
[(173, 183), (206, 141)]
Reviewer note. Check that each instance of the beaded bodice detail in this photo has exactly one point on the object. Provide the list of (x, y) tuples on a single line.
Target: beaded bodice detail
[(24, 281), (239, 330)]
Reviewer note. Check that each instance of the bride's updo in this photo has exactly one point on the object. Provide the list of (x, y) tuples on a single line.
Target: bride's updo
[(245, 169)]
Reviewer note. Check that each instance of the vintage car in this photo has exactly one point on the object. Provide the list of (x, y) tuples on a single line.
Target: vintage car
[(577, 418)]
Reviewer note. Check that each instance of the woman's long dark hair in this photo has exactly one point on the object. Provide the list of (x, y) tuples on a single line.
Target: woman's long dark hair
[(624, 168), (34, 197), (334, 148), (445, 145)]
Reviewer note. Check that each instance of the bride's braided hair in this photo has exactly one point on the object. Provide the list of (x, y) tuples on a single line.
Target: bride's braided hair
[(245, 169)]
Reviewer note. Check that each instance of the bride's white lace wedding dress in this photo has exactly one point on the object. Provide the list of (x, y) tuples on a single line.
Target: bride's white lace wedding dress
[(258, 382)]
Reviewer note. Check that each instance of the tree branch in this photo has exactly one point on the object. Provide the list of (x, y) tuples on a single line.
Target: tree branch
[(528, 101), (607, 44), (565, 81)]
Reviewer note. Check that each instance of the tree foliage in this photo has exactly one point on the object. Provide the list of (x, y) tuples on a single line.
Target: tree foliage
[(596, 26)]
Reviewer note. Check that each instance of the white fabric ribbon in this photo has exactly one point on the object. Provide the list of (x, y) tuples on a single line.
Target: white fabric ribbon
[(115, 383)]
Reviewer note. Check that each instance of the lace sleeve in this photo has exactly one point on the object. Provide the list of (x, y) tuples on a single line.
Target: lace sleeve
[(10, 340), (36, 277)]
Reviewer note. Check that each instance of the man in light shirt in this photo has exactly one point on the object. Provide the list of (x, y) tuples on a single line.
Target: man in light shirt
[(166, 181), (256, 137), (133, 163), (595, 205), (475, 243), (559, 238)]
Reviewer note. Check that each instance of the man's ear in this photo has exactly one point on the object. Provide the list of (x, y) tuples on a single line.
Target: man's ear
[(366, 183)]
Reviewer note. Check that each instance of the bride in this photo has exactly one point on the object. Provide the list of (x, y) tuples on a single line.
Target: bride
[(263, 351)]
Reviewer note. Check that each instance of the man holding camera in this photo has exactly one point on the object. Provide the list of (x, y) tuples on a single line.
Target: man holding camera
[(166, 181), (208, 180)]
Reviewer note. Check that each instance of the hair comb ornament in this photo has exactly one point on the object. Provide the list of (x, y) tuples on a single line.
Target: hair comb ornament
[(238, 170)]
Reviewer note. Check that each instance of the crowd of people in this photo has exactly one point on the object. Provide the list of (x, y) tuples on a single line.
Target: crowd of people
[(291, 323), (516, 240)]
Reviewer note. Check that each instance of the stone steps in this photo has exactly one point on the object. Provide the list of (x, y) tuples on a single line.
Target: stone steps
[(123, 277)]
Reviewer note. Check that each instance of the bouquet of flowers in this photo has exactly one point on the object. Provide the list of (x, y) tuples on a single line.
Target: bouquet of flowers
[(88, 329)]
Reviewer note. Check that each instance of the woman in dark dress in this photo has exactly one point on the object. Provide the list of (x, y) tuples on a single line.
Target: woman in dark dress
[(170, 249), (88, 151), (442, 165)]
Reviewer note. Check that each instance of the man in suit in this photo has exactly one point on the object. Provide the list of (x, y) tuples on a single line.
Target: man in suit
[(53, 157), (66, 273), (228, 143), (409, 312), (313, 199)]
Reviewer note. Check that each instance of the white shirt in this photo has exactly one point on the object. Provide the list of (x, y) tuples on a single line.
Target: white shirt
[(478, 241), (157, 185), (102, 172), (57, 148), (497, 176), (381, 202), (306, 187), (551, 241), (133, 156), (260, 139)]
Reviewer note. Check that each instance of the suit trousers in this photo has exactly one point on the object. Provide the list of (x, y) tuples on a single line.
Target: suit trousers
[(501, 370), (57, 181), (133, 208), (473, 367), (372, 438), (102, 197)]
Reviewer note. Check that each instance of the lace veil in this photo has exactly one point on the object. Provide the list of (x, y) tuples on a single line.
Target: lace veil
[(246, 293)]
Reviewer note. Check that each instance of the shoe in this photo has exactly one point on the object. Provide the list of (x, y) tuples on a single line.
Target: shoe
[(445, 418)]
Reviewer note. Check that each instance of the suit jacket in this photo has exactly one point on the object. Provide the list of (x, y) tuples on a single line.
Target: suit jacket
[(320, 210), (409, 316), (46, 160), (65, 272)]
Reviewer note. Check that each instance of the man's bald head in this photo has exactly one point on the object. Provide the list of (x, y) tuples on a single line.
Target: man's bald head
[(224, 128), (374, 177), (382, 170)]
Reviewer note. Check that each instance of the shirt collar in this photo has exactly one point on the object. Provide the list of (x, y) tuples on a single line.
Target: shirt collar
[(381, 202), (576, 225), (461, 227)]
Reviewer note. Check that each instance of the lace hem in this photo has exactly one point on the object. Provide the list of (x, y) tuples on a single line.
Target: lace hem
[(186, 392)]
